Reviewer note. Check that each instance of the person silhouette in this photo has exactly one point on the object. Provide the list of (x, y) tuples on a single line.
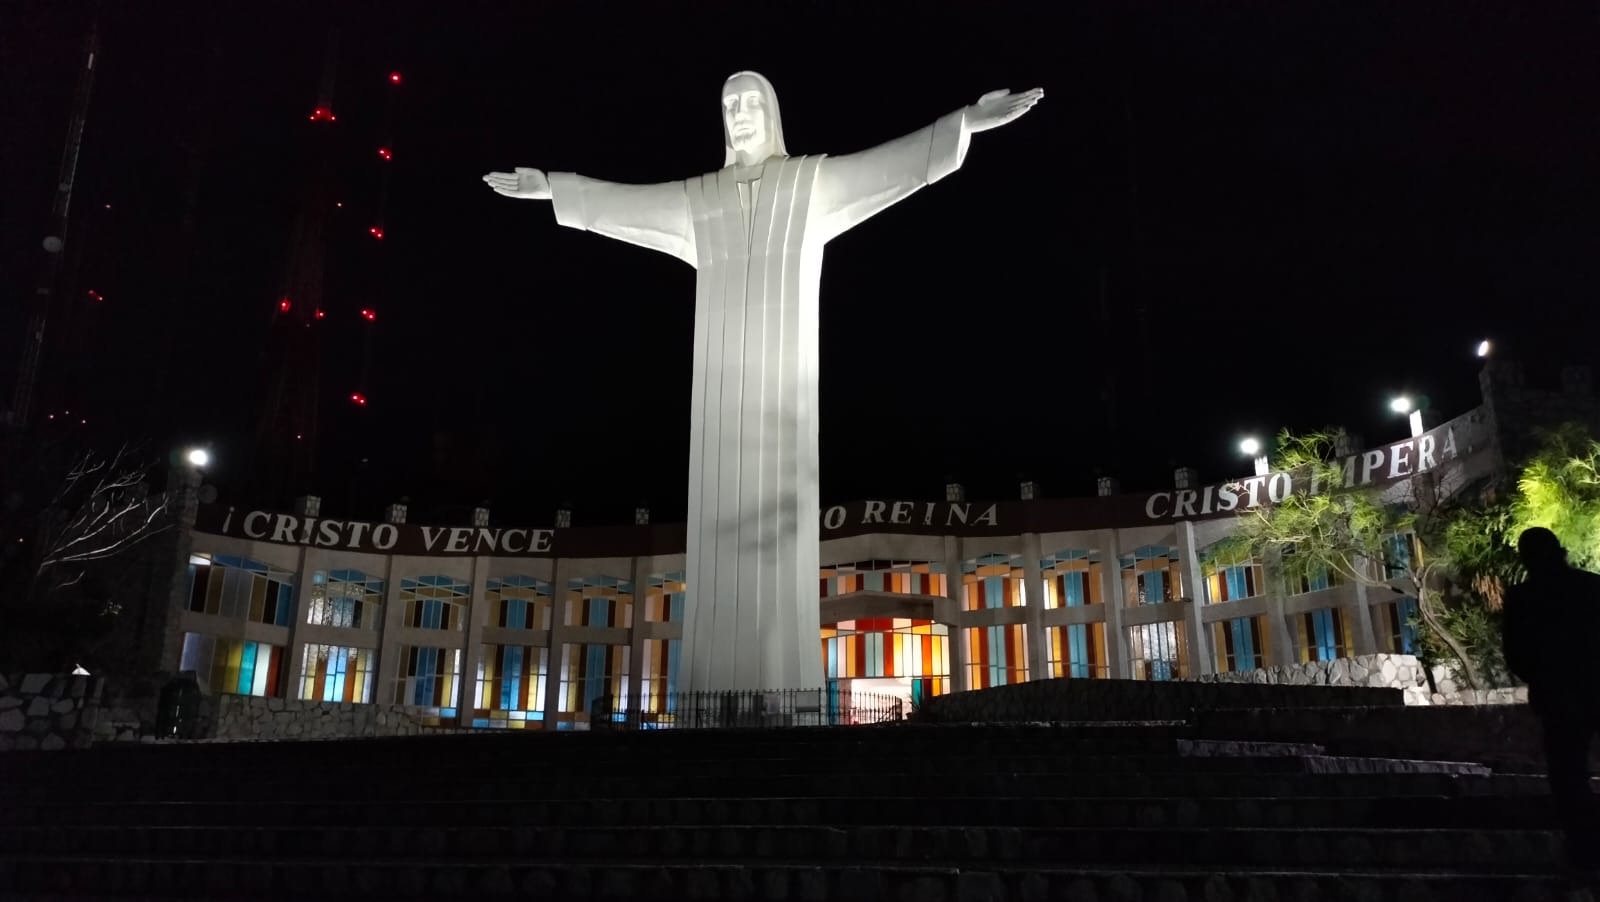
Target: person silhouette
[(1550, 617)]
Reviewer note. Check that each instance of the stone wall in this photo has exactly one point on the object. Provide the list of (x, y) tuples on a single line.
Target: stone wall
[(1105, 700), (1449, 690), (1403, 672), (48, 711), (247, 717), (1505, 737)]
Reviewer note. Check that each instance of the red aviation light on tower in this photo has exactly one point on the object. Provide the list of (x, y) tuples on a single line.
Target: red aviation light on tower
[(369, 314), (376, 232), (323, 114), (394, 78), (96, 296), (359, 399), (318, 314), (283, 305), (386, 153)]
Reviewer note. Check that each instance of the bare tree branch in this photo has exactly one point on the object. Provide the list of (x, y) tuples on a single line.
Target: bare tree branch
[(102, 508)]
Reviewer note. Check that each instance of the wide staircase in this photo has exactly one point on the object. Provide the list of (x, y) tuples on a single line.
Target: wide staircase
[(903, 812)]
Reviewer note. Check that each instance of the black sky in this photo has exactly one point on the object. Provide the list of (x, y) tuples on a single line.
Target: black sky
[(1247, 215)]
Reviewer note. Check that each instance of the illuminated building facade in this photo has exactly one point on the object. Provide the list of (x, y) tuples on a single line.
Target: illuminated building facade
[(522, 627)]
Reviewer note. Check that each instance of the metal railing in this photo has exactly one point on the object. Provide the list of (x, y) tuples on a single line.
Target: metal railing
[(755, 709)]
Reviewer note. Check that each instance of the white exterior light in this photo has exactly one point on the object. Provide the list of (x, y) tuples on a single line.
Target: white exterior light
[(1250, 447), (198, 457), (1401, 404), (1483, 348)]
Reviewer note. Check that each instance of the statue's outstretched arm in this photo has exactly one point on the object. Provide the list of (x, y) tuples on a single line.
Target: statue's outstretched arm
[(854, 187), (653, 216), (523, 183)]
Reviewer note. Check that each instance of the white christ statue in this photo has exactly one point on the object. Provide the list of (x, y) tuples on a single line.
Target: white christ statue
[(754, 231)]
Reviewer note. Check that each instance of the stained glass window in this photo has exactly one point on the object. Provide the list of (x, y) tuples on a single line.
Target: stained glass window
[(594, 678), (1397, 625), (518, 602), (1233, 579), (1402, 554), (234, 666), (1240, 644), (435, 602), (345, 598), (993, 581), (664, 598), (1158, 651), (429, 679), (335, 673), (897, 577), (510, 688), (600, 601), (996, 655), (658, 679), (239, 587), (1077, 650), (1071, 578), (888, 647), (1324, 634), (1152, 574)]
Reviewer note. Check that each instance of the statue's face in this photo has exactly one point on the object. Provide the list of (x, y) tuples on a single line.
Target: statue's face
[(744, 112)]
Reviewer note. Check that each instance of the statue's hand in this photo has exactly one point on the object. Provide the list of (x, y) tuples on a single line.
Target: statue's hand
[(996, 108), (525, 183)]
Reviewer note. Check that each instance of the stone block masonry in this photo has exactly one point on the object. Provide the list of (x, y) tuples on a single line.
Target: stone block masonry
[(244, 717), (48, 711), (1386, 671), (1064, 700)]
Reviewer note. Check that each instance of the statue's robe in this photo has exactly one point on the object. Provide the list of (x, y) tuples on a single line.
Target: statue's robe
[(755, 237)]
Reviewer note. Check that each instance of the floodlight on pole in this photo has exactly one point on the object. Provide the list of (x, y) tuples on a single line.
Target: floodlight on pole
[(1483, 348), (1405, 405), (198, 457), (1251, 447)]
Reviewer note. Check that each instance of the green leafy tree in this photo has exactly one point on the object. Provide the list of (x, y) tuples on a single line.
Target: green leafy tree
[(1364, 535), (1559, 488)]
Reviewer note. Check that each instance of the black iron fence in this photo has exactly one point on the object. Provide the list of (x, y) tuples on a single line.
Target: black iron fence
[(774, 708)]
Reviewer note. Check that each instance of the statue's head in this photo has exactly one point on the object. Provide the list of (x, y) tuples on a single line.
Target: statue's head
[(751, 127)]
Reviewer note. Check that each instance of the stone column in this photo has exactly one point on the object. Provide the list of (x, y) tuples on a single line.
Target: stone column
[(636, 635), (558, 636), (294, 651), (187, 478), (1114, 600), (472, 641), (1033, 608), (952, 591), (1277, 617), (1201, 661), (388, 642), (1367, 641)]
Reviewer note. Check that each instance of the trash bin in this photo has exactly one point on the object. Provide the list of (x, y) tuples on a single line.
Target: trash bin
[(600, 714), (178, 708)]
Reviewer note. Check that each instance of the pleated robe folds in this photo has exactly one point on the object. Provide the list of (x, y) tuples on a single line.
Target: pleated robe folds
[(755, 237)]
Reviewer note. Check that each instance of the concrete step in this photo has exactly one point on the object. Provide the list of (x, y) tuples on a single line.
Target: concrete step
[(171, 757), (1065, 767), (340, 783), (799, 765), (81, 877), (1294, 848), (926, 740), (1521, 812)]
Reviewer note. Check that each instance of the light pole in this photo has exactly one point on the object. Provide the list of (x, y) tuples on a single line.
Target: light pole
[(1404, 404), (1251, 447)]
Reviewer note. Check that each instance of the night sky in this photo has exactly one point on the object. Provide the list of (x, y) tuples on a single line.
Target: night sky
[(1223, 218)]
